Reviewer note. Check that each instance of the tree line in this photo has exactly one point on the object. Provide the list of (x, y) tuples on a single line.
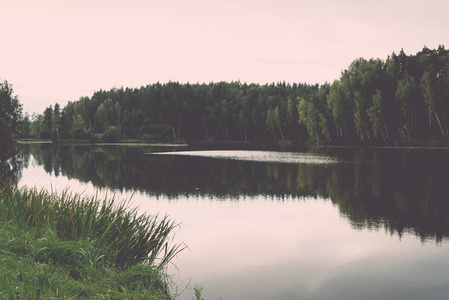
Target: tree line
[(173, 111), (403, 100)]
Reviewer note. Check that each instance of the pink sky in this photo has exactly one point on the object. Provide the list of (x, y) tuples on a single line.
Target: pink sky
[(57, 50)]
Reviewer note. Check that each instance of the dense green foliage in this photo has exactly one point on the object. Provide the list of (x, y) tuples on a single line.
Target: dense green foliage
[(67, 246), (402, 100), (173, 111), (10, 113), (10, 123)]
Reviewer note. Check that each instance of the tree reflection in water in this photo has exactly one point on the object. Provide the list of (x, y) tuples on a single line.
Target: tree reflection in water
[(400, 190), (11, 163)]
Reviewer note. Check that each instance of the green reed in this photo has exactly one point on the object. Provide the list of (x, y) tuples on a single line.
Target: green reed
[(129, 237), (76, 240)]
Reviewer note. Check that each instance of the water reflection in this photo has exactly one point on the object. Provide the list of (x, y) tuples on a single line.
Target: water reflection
[(396, 190), (259, 156), (11, 165)]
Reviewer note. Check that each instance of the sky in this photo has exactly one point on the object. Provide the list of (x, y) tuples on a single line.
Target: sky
[(60, 50)]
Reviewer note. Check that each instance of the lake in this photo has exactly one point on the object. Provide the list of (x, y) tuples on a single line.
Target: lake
[(324, 223)]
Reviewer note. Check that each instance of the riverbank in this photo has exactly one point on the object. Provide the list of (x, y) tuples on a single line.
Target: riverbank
[(68, 246), (86, 142)]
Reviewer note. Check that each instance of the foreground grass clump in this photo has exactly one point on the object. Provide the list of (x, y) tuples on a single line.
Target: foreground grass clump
[(70, 246)]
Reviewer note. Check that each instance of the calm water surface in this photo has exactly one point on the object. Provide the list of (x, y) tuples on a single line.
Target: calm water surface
[(319, 224)]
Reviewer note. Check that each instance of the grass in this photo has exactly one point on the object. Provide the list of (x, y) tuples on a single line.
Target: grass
[(69, 246)]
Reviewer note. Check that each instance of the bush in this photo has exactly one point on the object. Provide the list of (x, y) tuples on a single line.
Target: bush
[(157, 133), (110, 134), (80, 135)]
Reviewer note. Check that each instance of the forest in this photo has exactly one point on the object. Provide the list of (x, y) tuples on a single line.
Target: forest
[(403, 100)]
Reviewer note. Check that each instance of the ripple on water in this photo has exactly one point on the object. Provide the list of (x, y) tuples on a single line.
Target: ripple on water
[(259, 156)]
